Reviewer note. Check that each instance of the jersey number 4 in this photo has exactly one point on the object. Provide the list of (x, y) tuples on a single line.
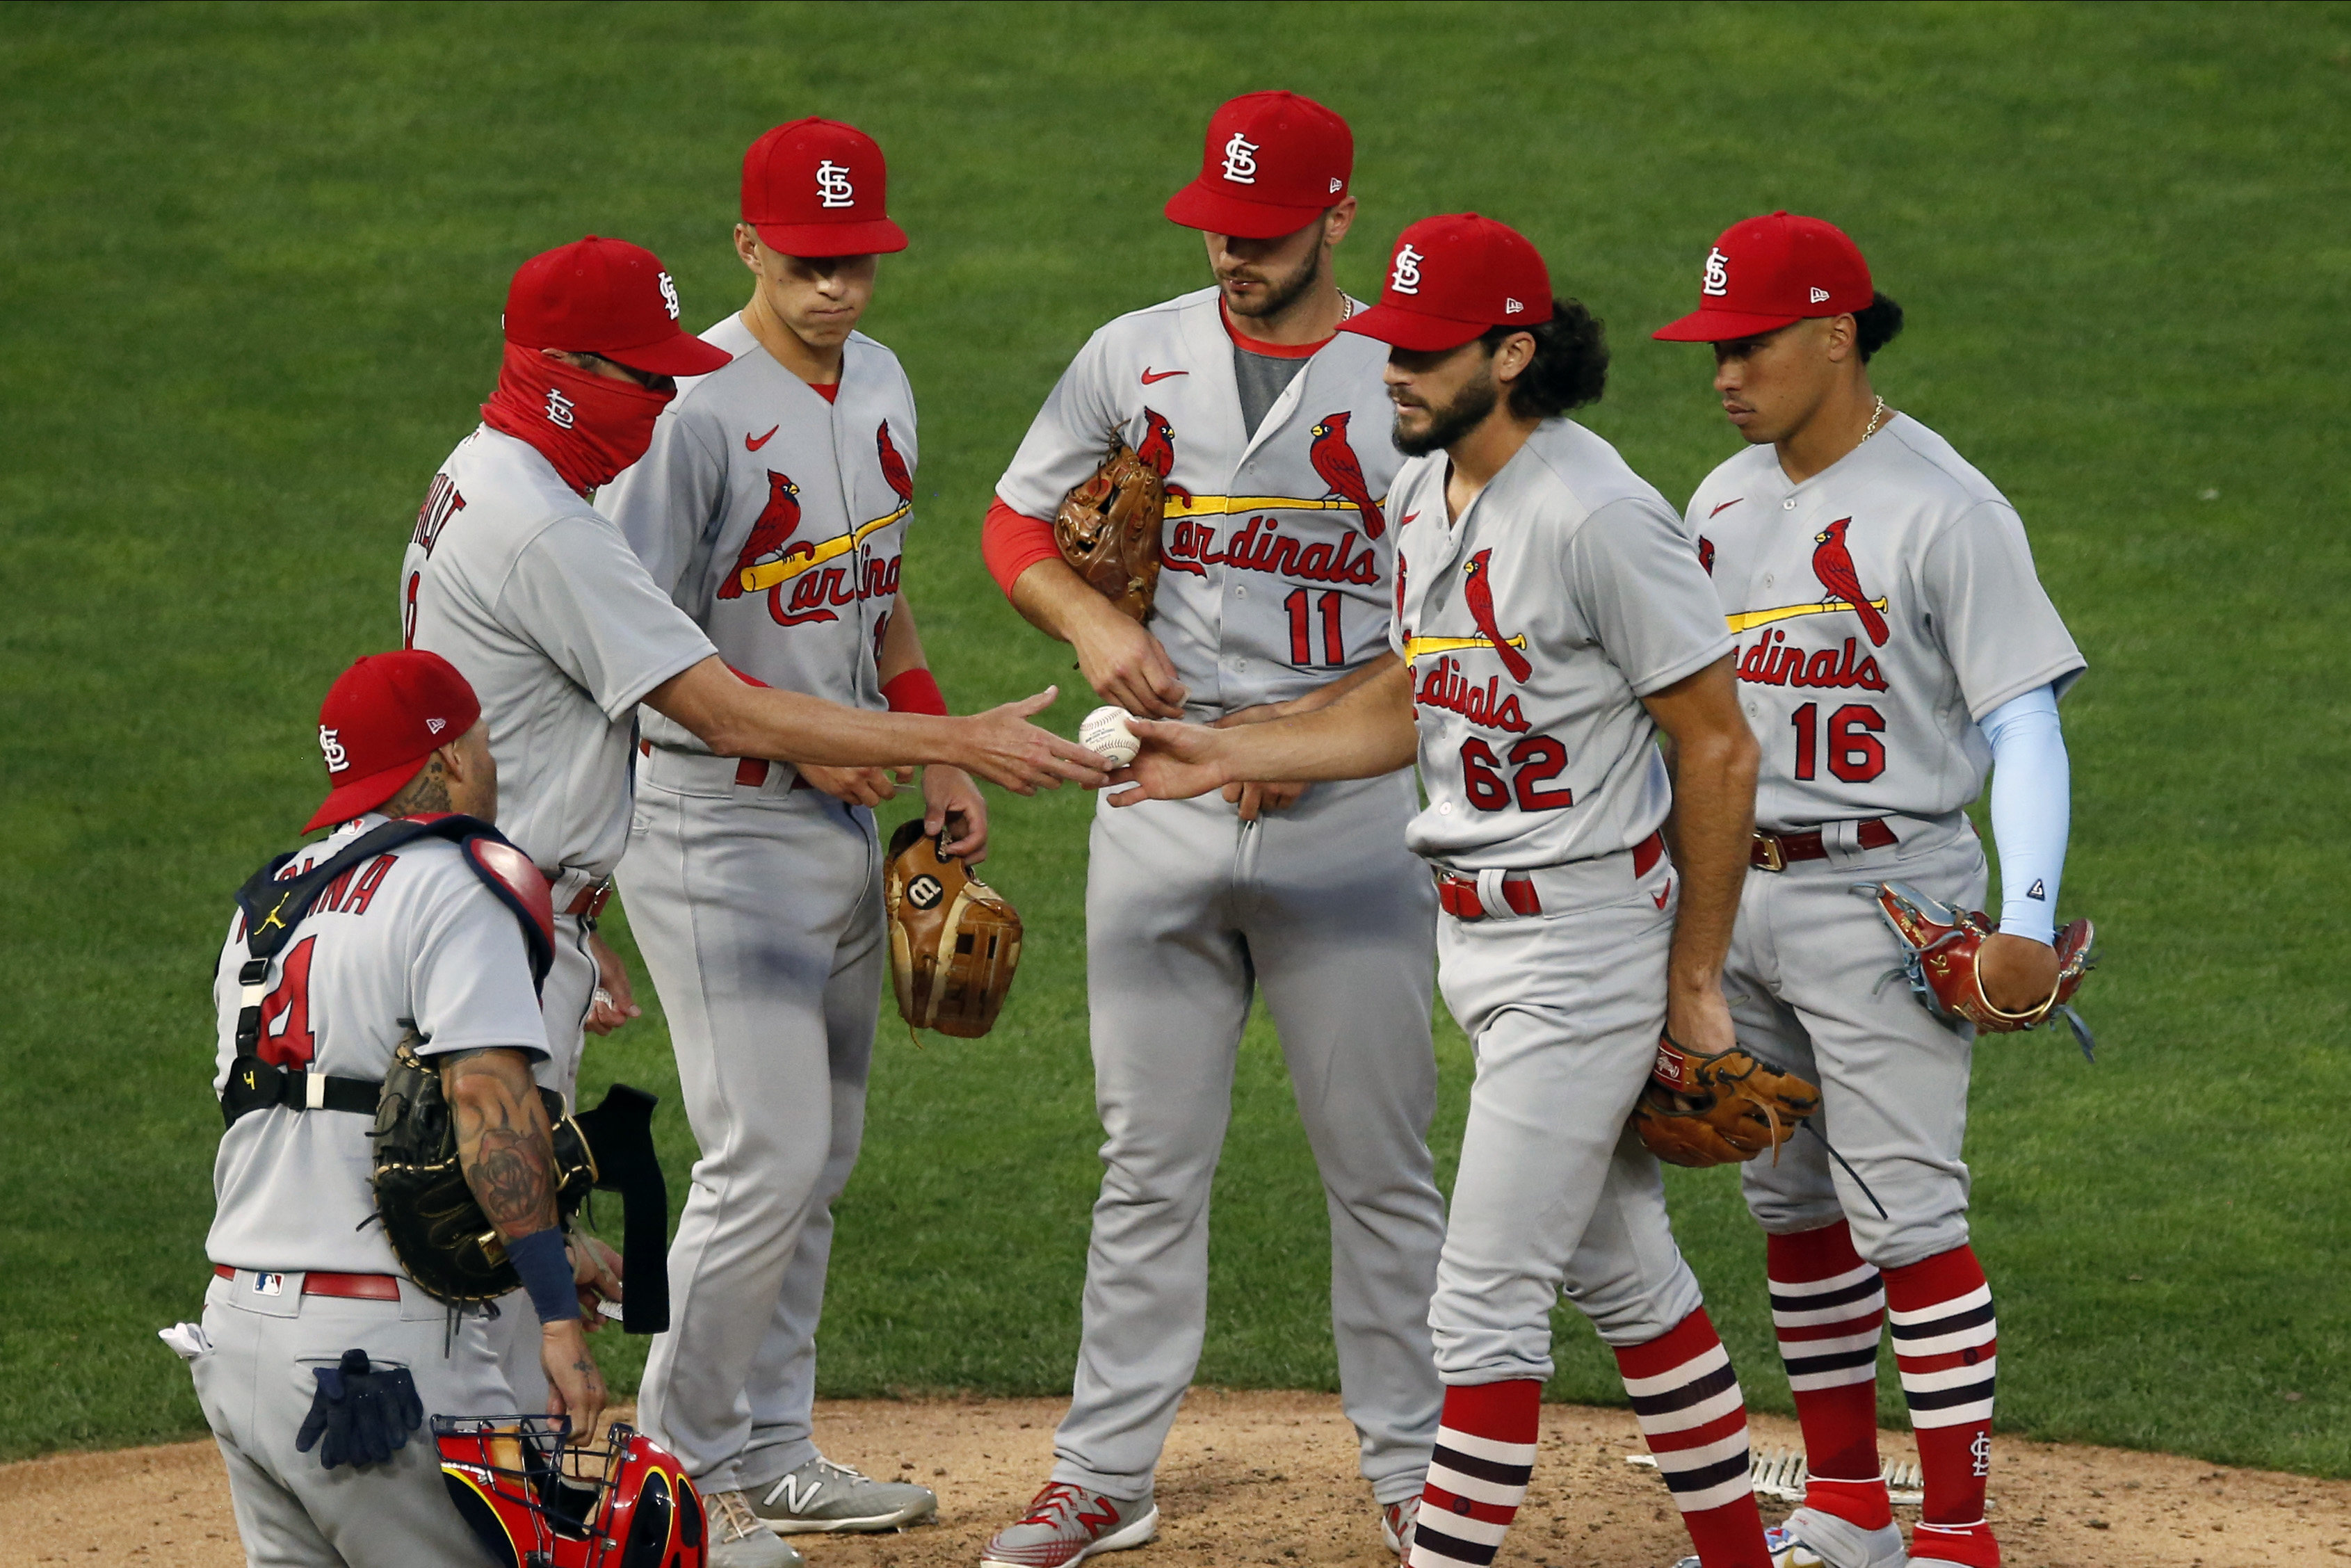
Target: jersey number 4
[(1855, 754), (1534, 761), (293, 1046)]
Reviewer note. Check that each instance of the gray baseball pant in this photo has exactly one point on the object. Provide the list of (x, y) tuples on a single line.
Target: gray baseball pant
[(1188, 911), (1555, 1193), (758, 909), (256, 1386), (1804, 984)]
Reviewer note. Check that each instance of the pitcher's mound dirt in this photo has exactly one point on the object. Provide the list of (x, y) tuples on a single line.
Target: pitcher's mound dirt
[(1270, 1478)]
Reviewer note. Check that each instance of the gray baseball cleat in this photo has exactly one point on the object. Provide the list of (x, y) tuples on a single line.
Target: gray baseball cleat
[(1813, 1539), (1065, 1523), (823, 1497), (739, 1539)]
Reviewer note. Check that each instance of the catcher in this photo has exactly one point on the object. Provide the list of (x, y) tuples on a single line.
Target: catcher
[(1894, 640), (319, 1354)]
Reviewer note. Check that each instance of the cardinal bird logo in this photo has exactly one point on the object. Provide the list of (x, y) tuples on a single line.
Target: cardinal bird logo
[(1706, 554), (893, 468), (1832, 564), (777, 519), (1478, 592), (1158, 450), (1334, 460)]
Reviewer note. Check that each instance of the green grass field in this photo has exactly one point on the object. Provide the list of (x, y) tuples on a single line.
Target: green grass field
[(254, 263)]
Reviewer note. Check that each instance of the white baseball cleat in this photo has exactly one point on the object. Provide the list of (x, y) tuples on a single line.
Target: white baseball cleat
[(1067, 1523), (1813, 1539), (1397, 1520)]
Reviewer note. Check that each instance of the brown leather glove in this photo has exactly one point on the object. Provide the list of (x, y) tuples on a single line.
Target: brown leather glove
[(1108, 530), (1718, 1110), (1940, 946), (954, 942)]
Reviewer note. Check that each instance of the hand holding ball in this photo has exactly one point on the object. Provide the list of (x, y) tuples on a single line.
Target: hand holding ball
[(1106, 731)]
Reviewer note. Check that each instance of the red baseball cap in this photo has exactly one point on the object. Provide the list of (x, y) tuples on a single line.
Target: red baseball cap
[(382, 717), (1451, 278), (605, 297), (1767, 273), (1274, 160), (817, 187)]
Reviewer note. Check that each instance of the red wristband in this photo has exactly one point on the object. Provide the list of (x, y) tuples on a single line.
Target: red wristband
[(915, 691)]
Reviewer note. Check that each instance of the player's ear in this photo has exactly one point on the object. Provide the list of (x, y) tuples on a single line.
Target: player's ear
[(1338, 220), (747, 247), (1844, 338)]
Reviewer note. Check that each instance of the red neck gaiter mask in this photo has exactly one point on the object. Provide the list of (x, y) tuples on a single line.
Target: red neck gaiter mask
[(589, 427)]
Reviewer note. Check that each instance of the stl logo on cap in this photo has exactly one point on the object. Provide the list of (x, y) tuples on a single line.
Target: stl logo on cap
[(331, 746), (832, 186), (669, 296), (1406, 279), (1240, 161), (1717, 273)]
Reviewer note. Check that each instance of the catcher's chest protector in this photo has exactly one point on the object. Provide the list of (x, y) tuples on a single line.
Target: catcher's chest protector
[(955, 943)]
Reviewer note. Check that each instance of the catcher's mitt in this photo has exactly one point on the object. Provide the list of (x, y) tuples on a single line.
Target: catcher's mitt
[(1108, 530), (1940, 944), (437, 1231), (954, 942), (1715, 1110)]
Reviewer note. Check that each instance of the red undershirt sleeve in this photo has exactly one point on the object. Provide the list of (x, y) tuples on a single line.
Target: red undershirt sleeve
[(1012, 542)]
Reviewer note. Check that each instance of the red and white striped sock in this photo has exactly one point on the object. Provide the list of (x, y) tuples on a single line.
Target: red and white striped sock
[(1478, 1476), (1828, 1308), (1695, 1419), (1946, 1343)]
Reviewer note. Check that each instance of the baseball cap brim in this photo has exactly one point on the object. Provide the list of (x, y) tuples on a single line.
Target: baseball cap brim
[(874, 236), (1200, 205), (1411, 329), (349, 800), (1720, 327), (679, 354)]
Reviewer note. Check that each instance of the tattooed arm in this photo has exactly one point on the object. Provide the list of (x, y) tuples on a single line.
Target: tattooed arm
[(507, 1152)]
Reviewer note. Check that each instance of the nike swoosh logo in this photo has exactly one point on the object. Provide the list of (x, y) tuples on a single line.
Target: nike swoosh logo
[(1664, 894), (1727, 506), (1150, 375), (751, 445), (1406, 518)]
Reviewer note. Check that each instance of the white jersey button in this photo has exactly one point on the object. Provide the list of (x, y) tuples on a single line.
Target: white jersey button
[(1789, 504), (1445, 808)]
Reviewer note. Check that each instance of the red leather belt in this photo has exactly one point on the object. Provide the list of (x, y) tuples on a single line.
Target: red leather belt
[(1458, 894), (591, 900), (752, 772), (1772, 851), (354, 1287)]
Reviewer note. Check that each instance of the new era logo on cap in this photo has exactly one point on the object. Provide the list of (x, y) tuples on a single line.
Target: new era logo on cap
[(1819, 295), (436, 725), (1511, 306)]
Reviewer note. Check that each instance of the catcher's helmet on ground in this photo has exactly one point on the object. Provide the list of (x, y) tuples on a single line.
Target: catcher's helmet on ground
[(537, 1503)]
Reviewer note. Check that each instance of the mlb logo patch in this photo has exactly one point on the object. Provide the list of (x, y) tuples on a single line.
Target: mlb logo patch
[(269, 1285)]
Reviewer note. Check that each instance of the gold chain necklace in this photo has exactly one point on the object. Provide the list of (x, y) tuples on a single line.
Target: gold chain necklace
[(1876, 414)]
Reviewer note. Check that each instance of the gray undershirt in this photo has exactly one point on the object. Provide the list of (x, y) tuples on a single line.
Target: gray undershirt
[(1263, 379)]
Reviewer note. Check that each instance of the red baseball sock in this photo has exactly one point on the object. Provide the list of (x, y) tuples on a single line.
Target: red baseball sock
[(1828, 1309), (1691, 1412), (1946, 1343), (1478, 1477)]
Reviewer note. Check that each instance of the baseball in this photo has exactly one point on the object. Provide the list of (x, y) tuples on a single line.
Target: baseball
[(1106, 730)]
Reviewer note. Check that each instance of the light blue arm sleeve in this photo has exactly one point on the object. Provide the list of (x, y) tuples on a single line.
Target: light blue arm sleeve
[(2032, 808)]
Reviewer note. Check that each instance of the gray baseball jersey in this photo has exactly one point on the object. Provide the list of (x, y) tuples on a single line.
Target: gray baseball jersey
[(1882, 607), (775, 518), (411, 935), (1277, 543), (539, 602), (1532, 626)]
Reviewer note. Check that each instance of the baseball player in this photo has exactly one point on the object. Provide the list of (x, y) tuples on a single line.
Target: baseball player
[(307, 1300), (1270, 430), (1551, 620), (538, 599), (772, 508), (1893, 640)]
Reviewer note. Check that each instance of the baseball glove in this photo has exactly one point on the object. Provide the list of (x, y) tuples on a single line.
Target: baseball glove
[(1108, 530), (954, 942), (437, 1231), (1698, 1109), (1940, 944)]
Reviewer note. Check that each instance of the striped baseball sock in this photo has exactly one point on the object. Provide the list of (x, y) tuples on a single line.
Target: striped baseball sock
[(1478, 1476), (1828, 1308), (1946, 1343), (1691, 1412)]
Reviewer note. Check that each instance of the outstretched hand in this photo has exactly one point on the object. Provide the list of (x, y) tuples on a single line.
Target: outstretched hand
[(1177, 762), (1002, 746)]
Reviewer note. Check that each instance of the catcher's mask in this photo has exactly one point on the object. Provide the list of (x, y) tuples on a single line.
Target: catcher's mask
[(537, 1503)]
